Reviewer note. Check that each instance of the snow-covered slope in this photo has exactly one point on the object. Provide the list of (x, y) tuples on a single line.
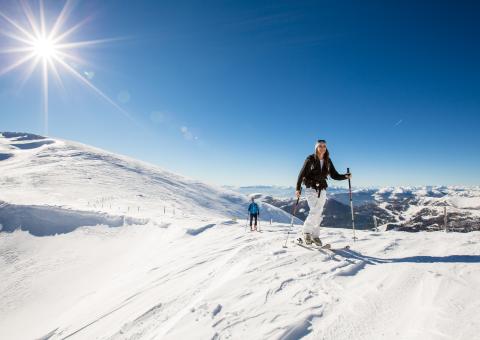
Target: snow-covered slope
[(169, 282), (45, 180), (199, 274)]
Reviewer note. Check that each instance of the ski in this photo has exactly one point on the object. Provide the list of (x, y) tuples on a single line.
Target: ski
[(347, 247), (300, 242), (303, 245)]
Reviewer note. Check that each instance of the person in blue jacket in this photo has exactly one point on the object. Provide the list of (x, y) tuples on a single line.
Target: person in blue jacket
[(254, 212)]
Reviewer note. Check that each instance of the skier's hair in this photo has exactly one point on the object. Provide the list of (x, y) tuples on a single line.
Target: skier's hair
[(326, 158)]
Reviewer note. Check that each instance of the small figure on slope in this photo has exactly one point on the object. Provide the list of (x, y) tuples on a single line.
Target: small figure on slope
[(254, 212), (316, 168)]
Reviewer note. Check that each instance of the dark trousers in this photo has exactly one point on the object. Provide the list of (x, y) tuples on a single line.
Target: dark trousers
[(252, 216)]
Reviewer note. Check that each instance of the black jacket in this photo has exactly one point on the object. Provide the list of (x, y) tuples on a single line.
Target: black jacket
[(313, 177)]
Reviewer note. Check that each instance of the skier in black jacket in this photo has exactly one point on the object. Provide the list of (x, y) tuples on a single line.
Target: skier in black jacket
[(316, 168)]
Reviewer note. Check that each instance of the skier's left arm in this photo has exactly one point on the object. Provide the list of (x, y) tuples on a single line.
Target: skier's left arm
[(335, 175)]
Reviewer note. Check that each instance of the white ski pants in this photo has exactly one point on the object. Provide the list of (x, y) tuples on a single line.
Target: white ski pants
[(315, 216)]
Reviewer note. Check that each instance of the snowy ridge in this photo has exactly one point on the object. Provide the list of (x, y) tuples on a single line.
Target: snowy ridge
[(69, 175)]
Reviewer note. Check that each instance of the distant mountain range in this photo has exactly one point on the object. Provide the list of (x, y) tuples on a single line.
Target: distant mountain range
[(399, 208)]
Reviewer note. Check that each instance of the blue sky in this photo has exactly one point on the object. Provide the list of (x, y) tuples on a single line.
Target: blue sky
[(237, 92)]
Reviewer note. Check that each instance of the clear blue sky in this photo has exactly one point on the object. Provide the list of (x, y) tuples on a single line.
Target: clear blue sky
[(237, 92)]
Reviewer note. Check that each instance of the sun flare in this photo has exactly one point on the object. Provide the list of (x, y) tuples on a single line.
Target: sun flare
[(45, 48), (35, 43)]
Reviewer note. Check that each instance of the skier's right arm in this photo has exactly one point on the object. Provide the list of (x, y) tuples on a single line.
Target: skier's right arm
[(301, 175)]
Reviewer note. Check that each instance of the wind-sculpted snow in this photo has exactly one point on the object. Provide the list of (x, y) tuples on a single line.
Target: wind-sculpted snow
[(32, 145), (146, 282), (21, 136), (46, 220), (196, 231), (4, 156)]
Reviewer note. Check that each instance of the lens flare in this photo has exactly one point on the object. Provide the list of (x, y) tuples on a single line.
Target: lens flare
[(49, 48)]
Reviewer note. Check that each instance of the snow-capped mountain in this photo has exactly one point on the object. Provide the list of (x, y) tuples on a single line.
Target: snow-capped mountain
[(100, 246), (279, 192), (399, 208)]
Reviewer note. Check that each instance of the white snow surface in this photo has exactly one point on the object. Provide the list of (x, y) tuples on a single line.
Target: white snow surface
[(68, 175), (161, 282), (466, 202), (199, 274)]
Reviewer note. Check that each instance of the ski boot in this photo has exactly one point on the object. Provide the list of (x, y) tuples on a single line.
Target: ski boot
[(308, 239), (317, 241)]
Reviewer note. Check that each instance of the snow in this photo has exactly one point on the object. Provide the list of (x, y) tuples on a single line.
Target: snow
[(73, 176), (45, 220), (465, 202), (79, 260), (148, 282)]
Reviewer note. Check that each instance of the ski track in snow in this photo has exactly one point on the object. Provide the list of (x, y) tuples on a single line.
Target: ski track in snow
[(99, 246), (226, 283)]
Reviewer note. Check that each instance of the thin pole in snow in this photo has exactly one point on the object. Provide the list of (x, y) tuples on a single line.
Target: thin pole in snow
[(445, 218), (351, 205), (291, 224)]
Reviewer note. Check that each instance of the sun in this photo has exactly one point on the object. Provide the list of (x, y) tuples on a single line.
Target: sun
[(45, 48), (39, 44)]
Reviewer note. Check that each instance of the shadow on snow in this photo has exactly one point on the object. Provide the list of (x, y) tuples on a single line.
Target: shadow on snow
[(352, 254)]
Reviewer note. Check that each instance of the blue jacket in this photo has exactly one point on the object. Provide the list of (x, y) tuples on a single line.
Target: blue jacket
[(253, 208)]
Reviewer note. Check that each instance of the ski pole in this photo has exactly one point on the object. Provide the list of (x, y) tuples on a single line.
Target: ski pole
[(351, 204), (246, 222), (291, 224)]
